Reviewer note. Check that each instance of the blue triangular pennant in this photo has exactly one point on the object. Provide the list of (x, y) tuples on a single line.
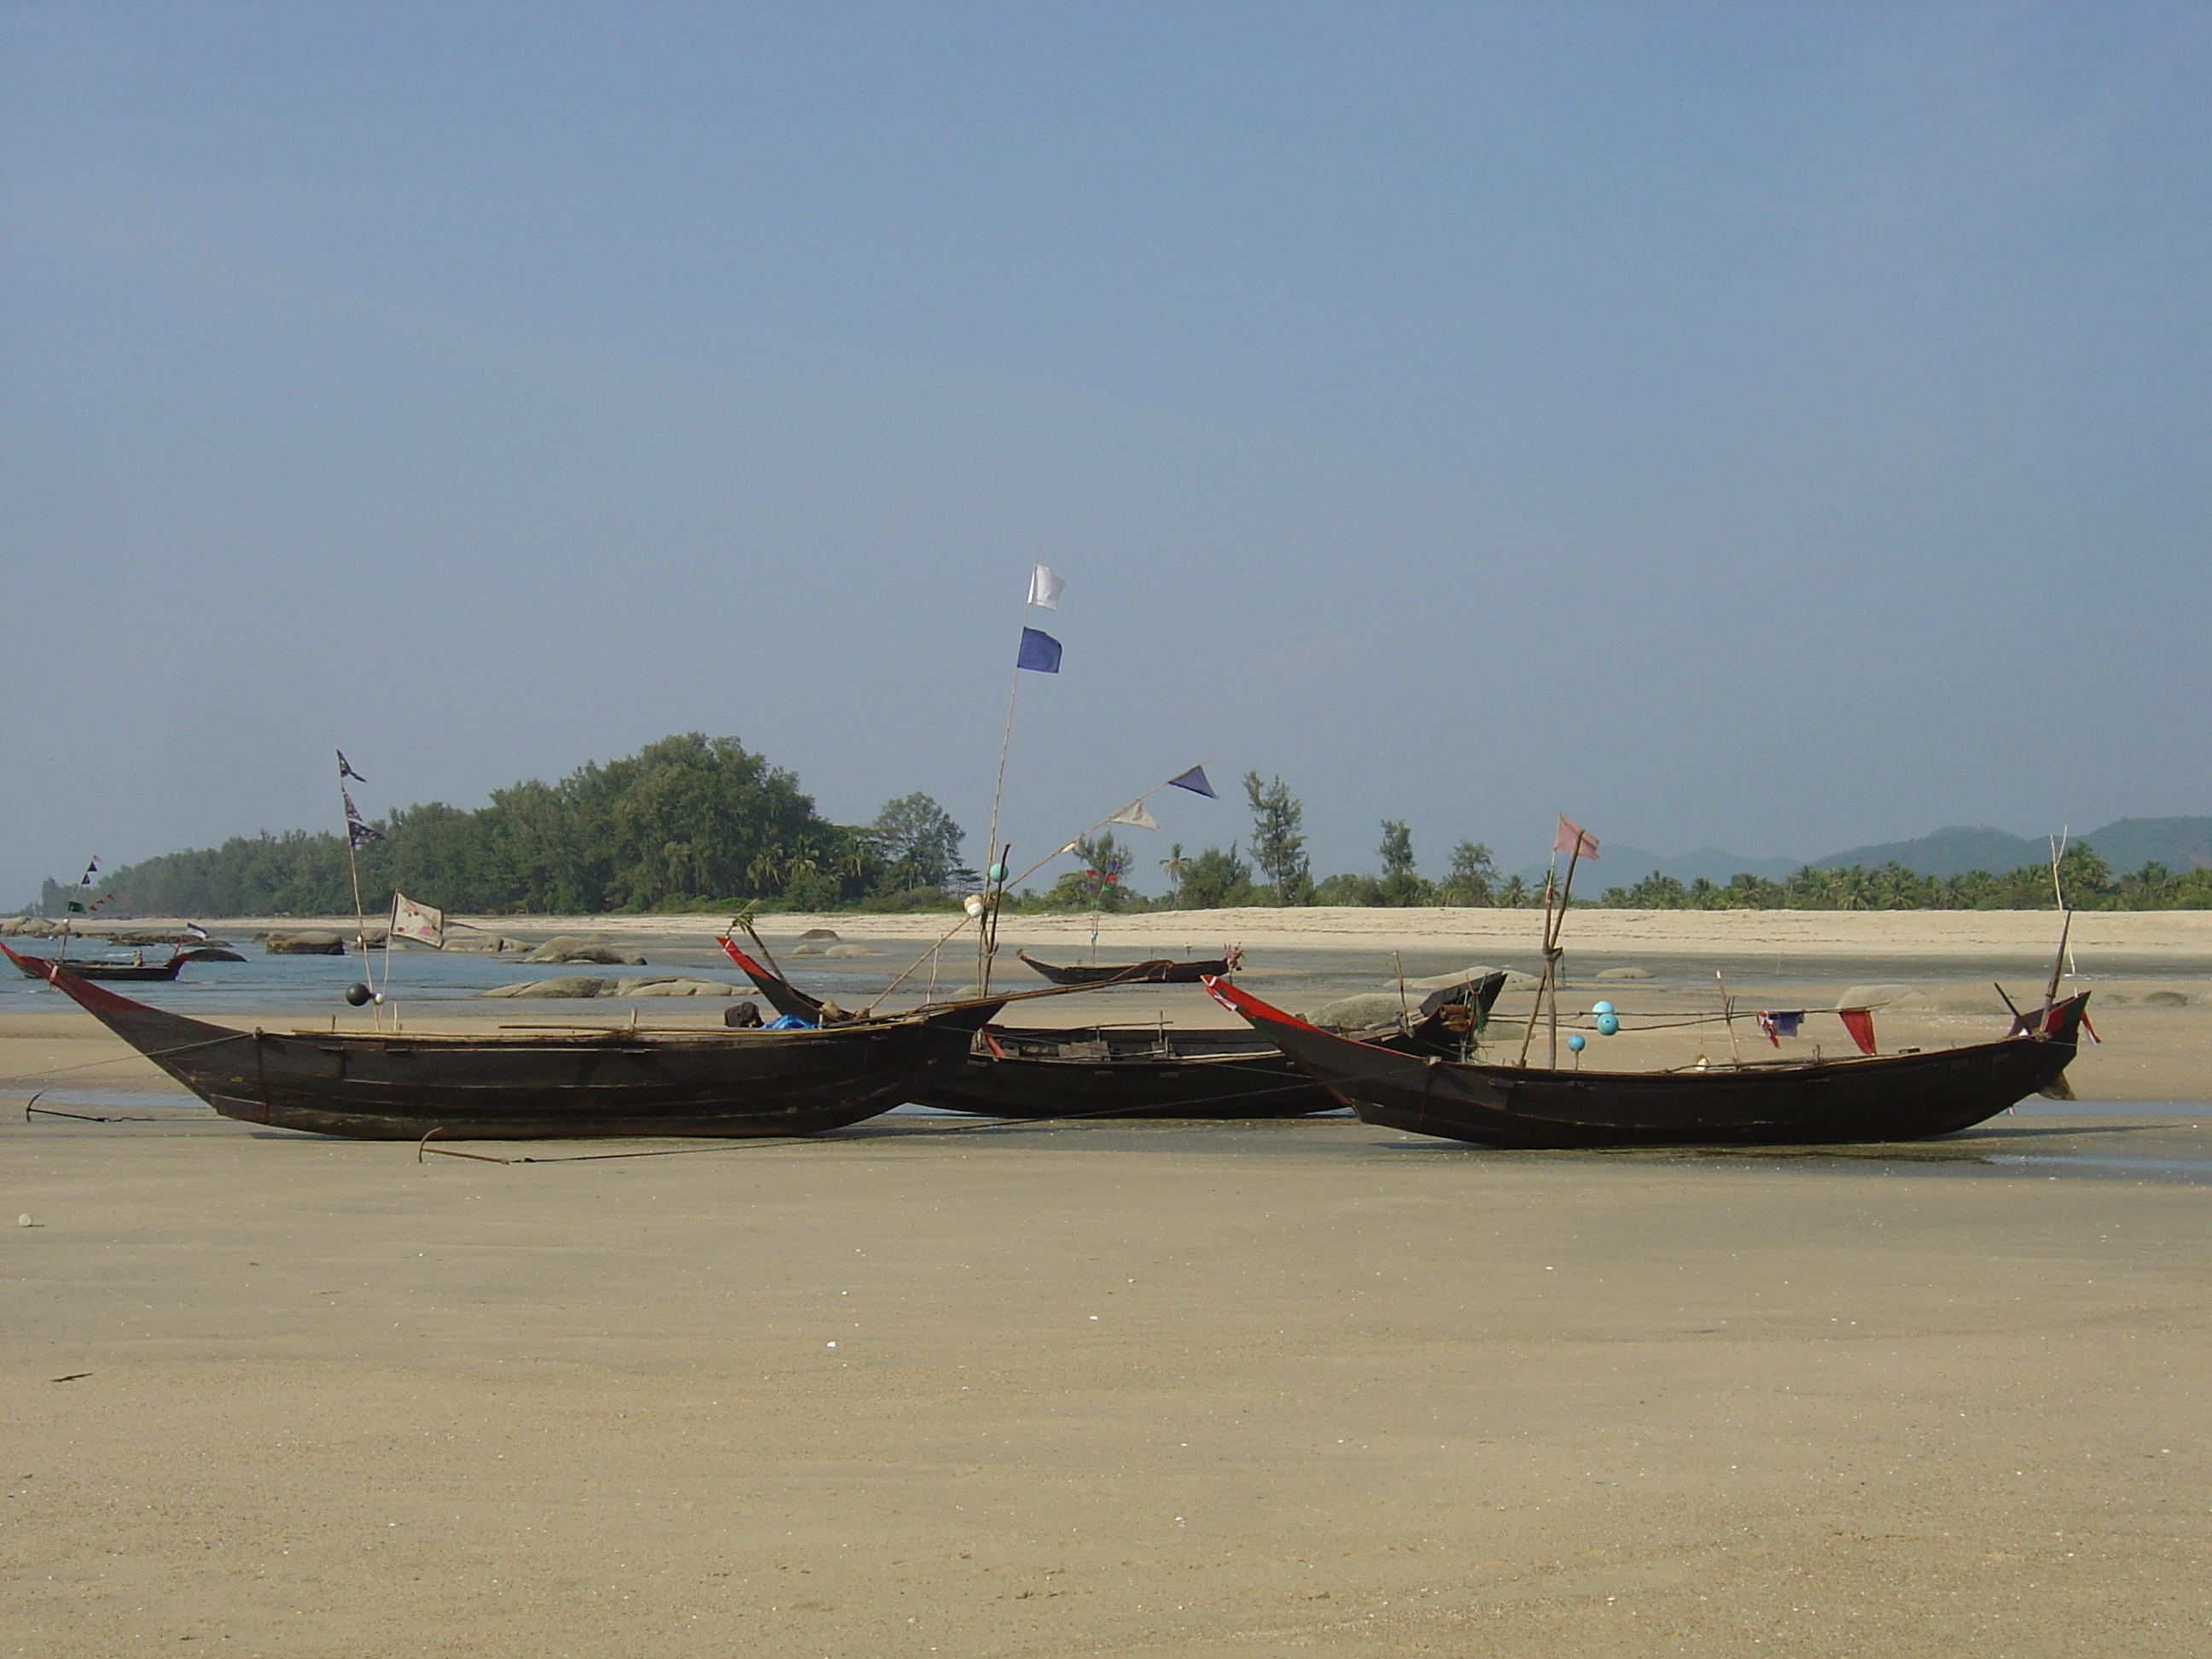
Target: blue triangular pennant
[(1194, 781)]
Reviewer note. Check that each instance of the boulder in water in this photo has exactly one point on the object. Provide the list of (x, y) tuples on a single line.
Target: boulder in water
[(573, 985), (819, 933), (848, 950), (1622, 973), (673, 985), (569, 947), (304, 944)]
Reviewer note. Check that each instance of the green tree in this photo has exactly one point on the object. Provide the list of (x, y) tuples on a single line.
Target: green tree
[(1215, 880), (918, 840), (1474, 875), (1401, 885), (1174, 864), (1279, 845), (1097, 884)]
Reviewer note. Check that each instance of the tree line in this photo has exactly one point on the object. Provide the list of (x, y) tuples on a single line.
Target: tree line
[(2089, 885), (693, 823), (688, 823)]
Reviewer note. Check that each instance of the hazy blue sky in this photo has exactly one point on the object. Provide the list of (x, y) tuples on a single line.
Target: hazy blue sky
[(1781, 426)]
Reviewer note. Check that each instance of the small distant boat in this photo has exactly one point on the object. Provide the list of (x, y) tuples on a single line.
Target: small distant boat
[(540, 1084), (1159, 970), (143, 972), (1132, 1071), (1902, 1097)]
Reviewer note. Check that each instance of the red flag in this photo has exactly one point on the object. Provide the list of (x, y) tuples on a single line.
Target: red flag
[(1859, 1021), (1573, 838)]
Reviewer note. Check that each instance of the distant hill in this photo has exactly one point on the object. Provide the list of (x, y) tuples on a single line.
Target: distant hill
[(1951, 852), (2129, 844), (2179, 844), (1620, 864)]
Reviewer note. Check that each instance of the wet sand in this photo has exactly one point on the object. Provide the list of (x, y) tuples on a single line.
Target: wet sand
[(1107, 1390), (1120, 1388)]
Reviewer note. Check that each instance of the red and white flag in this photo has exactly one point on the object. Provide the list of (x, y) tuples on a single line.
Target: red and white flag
[(1572, 838), (417, 921)]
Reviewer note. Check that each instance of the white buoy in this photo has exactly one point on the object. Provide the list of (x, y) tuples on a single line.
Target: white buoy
[(22, 1221)]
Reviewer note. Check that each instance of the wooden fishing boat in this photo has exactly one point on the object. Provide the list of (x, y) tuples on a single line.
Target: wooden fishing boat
[(1106, 1071), (1902, 1097), (518, 1085), (1159, 970), (142, 972)]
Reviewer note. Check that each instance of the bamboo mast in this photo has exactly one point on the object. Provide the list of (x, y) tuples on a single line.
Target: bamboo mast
[(2065, 926), (353, 864), (987, 941), (1552, 925)]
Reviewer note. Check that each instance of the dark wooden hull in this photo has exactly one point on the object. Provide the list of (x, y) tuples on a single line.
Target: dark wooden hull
[(1041, 1072), (141, 972), (1011, 1072), (1163, 970), (516, 1086), (1886, 1097)]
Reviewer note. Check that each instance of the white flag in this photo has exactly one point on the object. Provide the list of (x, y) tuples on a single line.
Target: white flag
[(417, 921), (1135, 816), (1044, 587)]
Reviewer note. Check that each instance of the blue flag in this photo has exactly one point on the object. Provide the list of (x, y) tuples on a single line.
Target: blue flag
[(1040, 652), (1194, 781)]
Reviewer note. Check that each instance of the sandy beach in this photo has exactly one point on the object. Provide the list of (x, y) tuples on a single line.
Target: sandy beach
[(931, 1386)]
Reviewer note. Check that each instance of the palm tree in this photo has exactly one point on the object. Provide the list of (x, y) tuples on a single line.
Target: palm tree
[(1173, 863)]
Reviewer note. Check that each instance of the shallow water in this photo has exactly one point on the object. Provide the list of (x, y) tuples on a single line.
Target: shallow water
[(315, 986)]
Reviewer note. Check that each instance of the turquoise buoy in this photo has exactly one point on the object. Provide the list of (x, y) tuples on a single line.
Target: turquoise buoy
[(1601, 1008), (1607, 1025), (1575, 1042), (997, 872)]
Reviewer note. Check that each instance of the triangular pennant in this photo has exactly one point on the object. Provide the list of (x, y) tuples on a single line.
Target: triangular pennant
[(1194, 781), (1135, 817)]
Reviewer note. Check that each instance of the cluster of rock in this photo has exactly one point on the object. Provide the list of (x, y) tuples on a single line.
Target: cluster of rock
[(822, 942), (586, 984), (303, 944), (1515, 979), (575, 947)]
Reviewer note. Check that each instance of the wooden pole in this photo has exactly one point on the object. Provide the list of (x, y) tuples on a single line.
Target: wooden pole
[(1544, 984), (360, 920), (1552, 946), (2065, 926)]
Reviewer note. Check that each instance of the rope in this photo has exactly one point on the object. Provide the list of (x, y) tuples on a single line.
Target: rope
[(31, 1105), (144, 1054)]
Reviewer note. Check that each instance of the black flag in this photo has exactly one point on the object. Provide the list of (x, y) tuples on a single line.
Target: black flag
[(359, 832)]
